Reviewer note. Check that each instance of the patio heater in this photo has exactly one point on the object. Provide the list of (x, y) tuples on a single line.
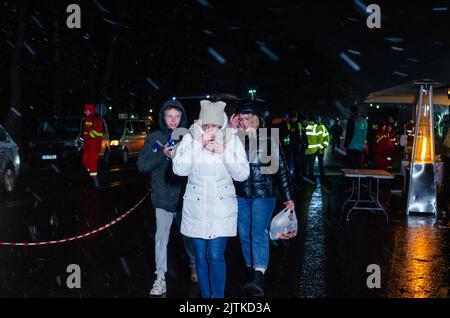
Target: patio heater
[(422, 192)]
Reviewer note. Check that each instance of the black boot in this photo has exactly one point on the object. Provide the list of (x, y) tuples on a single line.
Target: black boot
[(256, 286), (96, 182), (248, 277)]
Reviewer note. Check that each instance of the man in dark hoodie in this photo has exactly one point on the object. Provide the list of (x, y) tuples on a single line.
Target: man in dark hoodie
[(167, 188)]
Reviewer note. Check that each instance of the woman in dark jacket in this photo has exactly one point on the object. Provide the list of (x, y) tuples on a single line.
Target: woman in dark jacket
[(257, 195)]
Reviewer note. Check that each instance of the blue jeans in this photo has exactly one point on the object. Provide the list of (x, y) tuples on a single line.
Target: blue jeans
[(210, 265), (254, 217)]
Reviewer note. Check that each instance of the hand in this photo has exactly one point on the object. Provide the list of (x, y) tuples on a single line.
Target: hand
[(167, 151), (290, 205), (234, 120), (214, 146), (80, 141), (207, 138)]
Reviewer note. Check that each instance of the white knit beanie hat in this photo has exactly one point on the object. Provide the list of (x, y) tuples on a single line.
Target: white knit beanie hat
[(212, 113)]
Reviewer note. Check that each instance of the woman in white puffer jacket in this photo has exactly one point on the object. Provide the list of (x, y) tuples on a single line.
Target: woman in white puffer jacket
[(211, 156)]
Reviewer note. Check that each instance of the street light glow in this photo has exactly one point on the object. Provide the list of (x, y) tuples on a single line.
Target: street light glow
[(252, 92)]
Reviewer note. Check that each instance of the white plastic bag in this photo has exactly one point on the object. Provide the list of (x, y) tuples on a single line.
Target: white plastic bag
[(284, 226)]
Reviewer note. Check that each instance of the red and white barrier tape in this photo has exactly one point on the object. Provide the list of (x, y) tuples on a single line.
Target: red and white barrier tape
[(98, 230)]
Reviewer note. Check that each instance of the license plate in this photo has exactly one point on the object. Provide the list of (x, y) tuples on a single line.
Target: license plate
[(49, 157)]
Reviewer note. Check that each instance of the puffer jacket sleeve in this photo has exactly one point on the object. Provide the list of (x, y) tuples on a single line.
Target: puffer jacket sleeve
[(236, 160), (283, 177), (148, 160), (185, 154)]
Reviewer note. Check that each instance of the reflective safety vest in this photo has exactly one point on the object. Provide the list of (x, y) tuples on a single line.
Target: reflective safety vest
[(92, 128), (287, 138), (312, 132), (323, 138), (380, 136)]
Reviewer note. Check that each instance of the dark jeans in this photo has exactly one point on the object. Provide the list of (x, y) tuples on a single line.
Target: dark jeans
[(295, 158), (320, 158), (210, 266), (254, 217), (354, 159), (310, 160), (335, 143)]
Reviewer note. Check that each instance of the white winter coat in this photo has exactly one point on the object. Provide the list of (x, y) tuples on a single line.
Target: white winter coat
[(210, 203)]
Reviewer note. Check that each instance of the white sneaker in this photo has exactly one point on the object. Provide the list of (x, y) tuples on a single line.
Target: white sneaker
[(159, 288), (194, 278)]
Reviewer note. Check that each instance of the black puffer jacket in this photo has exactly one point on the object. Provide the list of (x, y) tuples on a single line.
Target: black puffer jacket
[(263, 185)]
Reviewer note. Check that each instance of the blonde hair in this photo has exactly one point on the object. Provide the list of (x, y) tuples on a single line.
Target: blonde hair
[(254, 121)]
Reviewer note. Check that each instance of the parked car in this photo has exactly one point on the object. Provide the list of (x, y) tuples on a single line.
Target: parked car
[(57, 142), (9, 162), (127, 138)]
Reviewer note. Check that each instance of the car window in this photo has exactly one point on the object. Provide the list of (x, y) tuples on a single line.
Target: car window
[(62, 127), (139, 128), (116, 128), (2, 135)]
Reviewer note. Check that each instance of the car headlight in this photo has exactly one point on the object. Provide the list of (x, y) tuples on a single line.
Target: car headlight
[(114, 143)]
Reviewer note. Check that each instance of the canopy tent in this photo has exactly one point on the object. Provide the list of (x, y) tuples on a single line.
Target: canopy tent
[(408, 94)]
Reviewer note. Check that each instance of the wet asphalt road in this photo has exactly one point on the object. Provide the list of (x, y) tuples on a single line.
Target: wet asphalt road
[(328, 258)]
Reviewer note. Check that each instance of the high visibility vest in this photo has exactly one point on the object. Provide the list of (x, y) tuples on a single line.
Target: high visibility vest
[(92, 128), (287, 139), (323, 138), (312, 133), (380, 136)]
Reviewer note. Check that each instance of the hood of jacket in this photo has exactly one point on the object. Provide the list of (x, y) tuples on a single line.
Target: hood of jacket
[(170, 104), (90, 108)]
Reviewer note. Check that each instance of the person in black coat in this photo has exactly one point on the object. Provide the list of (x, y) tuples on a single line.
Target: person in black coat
[(257, 195), (336, 133), (167, 188)]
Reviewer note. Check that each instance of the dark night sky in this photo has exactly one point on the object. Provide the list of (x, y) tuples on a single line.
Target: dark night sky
[(168, 41)]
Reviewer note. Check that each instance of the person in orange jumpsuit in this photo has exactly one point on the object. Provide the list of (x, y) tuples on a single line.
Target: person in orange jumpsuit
[(92, 134), (381, 145)]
